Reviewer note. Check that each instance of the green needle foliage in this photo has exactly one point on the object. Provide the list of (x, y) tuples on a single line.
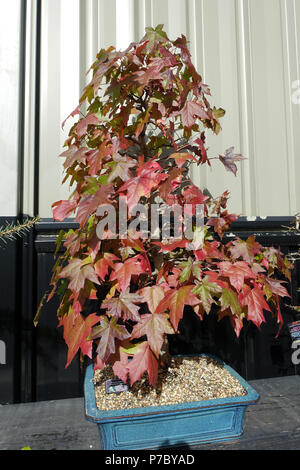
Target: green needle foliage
[(10, 231)]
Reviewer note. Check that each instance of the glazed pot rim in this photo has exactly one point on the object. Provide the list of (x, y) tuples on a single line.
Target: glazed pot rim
[(92, 412)]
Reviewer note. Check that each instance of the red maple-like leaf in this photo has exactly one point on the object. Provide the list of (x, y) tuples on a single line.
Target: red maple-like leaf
[(74, 154), (166, 246), (169, 185), (125, 303), (120, 367), (181, 158), (201, 151), (96, 157), (76, 332), (155, 326), (124, 271), (81, 127), (276, 287), (237, 323), (194, 195), (192, 198), (209, 250), (90, 204), (175, 301), (235, 320), (104, 263), (222, 223), (77, 271), (244, 249), (189, 111), (121, 168), (72, 114), (148, 178), (144, 360), (255, 302), (214, 276), (72, 242), (152, 295), (143, 77), (63, 209), (108, 331), (236, 272)]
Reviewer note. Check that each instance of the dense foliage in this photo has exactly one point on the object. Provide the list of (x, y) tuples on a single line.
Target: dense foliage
[(142, 122)]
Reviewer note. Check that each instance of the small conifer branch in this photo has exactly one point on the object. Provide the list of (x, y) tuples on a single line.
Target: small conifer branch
[(10, 231)]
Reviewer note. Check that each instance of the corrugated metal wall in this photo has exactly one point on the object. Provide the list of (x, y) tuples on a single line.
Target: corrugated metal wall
[(10, 58), (246, 50)]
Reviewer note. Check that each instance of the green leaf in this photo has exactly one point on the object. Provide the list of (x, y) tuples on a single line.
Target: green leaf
[(229, 299), (206, 290), (187, 270), (218, 113), (59, 241)]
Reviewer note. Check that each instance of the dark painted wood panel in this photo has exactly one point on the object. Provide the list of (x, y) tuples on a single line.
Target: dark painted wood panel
[(36, 357), (8, 317), (53, 380)]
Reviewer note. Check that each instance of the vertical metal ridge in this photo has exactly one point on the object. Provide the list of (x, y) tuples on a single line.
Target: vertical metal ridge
[(290, 148), (252, 140), (106, 23), (20, 183), (37, 108), (242, 103), (20, 206), (199, 174), (247, 131)]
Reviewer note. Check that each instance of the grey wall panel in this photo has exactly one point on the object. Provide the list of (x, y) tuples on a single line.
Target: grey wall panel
[(246, 50), (10, 57)]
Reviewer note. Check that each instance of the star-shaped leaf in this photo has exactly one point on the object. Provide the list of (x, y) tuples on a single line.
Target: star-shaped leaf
[(182, 157), (175, 301), (108, 331), (125, 303), (236, 272), (255, 302), (154, 326), (142, 361), (124, 271), (229, 158), (245, 249), (189, 111), (76, 333), (90, 204), (63, 209), (206, 290), (77, 271), (103, 264), (229, 300), (141, 185), (153, 295)]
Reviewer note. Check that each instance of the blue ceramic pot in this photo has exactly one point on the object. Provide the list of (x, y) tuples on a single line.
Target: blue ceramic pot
[(169, 425)]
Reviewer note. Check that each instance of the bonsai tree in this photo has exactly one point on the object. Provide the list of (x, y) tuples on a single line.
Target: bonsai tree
[(149, 241)]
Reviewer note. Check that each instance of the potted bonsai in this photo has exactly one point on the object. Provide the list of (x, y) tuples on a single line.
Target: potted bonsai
[(148, 244)]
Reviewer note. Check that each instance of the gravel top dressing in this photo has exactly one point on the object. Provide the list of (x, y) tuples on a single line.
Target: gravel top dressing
[(187, 379)]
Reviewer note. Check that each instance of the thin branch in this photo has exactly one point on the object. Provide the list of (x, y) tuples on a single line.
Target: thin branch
[(19, 229)]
